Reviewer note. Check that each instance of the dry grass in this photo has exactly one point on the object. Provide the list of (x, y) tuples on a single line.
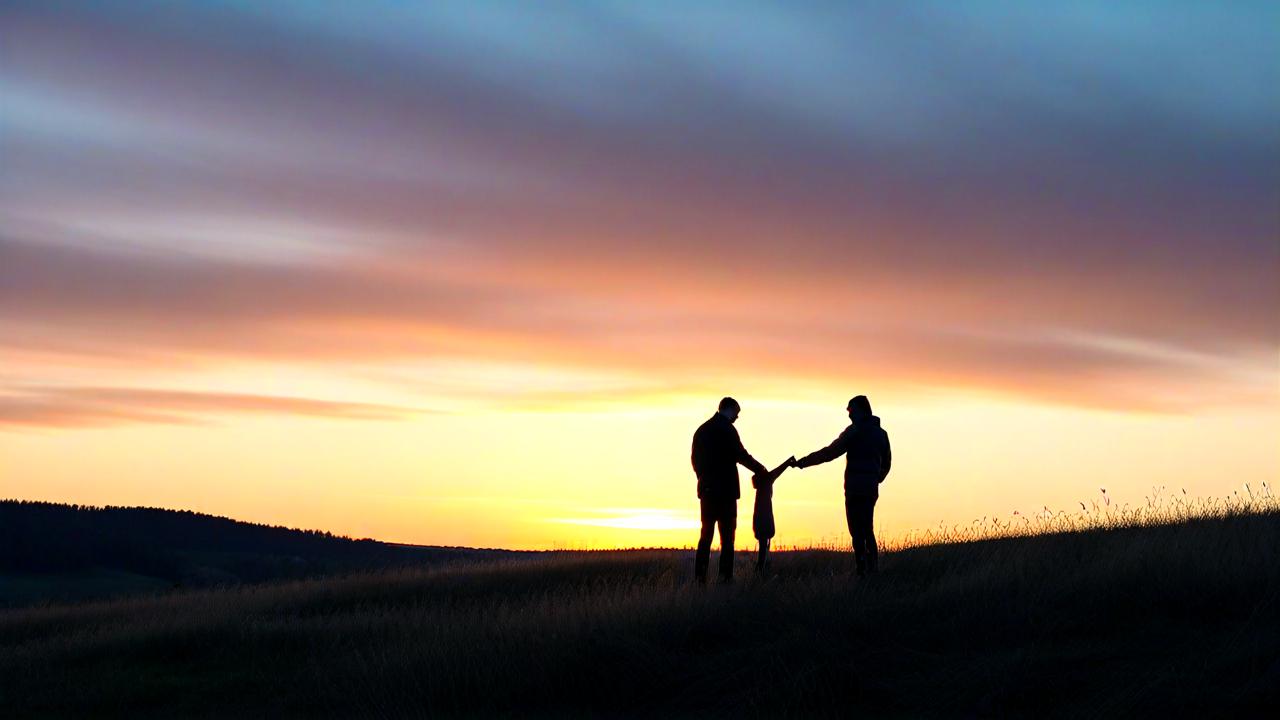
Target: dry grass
[(1115, 613), (1161, 507)]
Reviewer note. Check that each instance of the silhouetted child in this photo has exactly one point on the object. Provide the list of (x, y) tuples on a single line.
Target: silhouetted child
[(762, 519)]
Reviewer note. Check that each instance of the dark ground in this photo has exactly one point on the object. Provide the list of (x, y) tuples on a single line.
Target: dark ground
[(1171, 621)]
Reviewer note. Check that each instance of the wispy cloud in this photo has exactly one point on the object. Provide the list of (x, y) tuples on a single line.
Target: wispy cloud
[(70, 407), (780, 193), (154, 308)]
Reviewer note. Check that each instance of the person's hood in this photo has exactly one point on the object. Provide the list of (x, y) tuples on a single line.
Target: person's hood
[(869, 421)]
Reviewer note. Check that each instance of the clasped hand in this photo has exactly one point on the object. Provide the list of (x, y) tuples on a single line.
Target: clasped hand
[(771, 475)]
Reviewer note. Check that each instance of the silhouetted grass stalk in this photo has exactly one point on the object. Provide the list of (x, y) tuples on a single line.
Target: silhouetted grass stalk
[(1160, 508)]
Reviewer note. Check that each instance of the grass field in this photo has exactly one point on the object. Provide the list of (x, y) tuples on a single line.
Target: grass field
[(1175, 619)]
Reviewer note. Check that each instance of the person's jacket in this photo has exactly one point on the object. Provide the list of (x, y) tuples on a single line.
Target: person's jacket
[(868, 458), (717, 450)]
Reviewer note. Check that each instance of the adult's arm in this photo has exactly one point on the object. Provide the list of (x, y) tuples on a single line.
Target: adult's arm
[(744, 457), (826, 454), (703, 452)]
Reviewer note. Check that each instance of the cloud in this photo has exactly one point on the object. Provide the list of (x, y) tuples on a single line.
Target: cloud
[(411, 120), (75, 407), (949, 197), (154, 310)]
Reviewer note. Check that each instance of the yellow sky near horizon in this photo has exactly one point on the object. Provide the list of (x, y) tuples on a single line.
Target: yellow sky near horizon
[(615, 473)]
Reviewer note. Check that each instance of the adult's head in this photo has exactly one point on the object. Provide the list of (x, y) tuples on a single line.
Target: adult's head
[(859, 407), (730, 408)]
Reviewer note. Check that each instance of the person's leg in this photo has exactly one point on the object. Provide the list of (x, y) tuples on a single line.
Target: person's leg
[(763, 560), (869, 535), (728, 530), (703, 556), (855, 532)]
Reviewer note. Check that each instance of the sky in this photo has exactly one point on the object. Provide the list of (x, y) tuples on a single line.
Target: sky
[(472, 273)]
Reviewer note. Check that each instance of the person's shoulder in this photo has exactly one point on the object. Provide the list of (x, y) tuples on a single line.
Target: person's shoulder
[(703, 429), (708, 425)]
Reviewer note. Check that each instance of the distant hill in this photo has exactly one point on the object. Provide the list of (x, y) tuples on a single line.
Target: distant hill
[(52, 551)]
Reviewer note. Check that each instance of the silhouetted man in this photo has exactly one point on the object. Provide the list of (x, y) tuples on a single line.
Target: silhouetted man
[(865, 446), (717, 451)]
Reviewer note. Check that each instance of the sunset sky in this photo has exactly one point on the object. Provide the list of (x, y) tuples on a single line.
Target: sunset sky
[(472, 274)]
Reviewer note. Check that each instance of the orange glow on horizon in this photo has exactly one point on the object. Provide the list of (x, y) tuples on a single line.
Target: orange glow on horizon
[(616, 474)]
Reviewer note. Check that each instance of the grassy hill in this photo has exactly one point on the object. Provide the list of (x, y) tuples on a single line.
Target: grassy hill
[(58, 552), (1170, 620)]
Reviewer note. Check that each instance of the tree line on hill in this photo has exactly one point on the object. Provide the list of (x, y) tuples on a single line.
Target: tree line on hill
[(185, 547)]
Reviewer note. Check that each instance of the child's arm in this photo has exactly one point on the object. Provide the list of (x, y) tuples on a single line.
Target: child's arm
[(773, 474), (790, 462)]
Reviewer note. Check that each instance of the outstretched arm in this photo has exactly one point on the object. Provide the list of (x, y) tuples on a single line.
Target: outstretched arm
[(744, 457), (826, 454), (773, 474)]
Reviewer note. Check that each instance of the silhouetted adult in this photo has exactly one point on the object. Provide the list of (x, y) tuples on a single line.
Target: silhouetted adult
[(868, 458), (717, 451)]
